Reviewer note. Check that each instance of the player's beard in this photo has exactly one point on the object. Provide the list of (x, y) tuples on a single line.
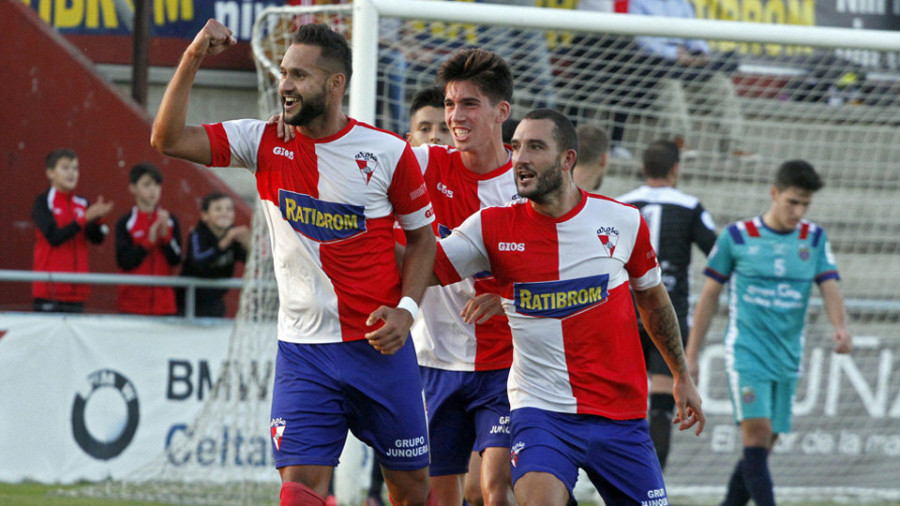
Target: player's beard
[(548, 181), (311, 107)]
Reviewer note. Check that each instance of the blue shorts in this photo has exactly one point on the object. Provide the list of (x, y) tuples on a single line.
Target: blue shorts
[(322, 390), (467, 411), (617, 455), (755, 397)]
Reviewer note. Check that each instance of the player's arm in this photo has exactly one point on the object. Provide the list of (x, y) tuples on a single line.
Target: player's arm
[(704, 230), (706, 307), (834, 307), (418, 261), (661, 323), (170, 135), (719, 267)]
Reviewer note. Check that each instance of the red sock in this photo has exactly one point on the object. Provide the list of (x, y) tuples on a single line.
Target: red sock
[(298, 494)]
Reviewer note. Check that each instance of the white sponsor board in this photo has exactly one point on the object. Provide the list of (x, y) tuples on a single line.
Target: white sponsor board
[(846, 413), (90, 397)]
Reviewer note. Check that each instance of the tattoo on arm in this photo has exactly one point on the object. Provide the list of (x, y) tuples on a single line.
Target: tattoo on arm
[(663, 326)]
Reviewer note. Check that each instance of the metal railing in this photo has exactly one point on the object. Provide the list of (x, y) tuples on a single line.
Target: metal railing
[(189, 284)]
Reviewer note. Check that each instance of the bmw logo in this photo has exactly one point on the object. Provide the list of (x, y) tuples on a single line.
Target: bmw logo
[(105, 414)]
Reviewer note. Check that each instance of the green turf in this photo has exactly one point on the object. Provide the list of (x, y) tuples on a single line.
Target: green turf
[(34, 494)]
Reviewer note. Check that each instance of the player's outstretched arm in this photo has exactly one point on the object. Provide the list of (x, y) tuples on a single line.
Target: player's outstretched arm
[(834, 307), (661, 322), (170, 135), (706, 307), (418, 261)]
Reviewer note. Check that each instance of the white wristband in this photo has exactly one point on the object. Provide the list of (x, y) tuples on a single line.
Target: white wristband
[(410, 305)]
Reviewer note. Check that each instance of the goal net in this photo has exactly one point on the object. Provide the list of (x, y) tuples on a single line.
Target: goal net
[(767, 94)]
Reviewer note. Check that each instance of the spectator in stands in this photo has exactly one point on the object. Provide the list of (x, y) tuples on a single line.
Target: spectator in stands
[(593, 156), (148, 241), (528, 56), (213, 248), (687, 75), (596, 75), (426, 119), (622, 76), (64, 223)]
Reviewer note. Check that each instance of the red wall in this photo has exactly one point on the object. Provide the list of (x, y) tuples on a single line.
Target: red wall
[(51, 98)]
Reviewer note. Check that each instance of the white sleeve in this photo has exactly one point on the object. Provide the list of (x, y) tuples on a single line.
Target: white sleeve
[(422, 153), (244, 137), (463, 251)]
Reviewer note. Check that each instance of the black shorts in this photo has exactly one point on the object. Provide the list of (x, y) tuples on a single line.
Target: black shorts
[(656, 364)]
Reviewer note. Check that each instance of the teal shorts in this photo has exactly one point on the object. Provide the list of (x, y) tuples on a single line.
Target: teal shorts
[(756, 397)]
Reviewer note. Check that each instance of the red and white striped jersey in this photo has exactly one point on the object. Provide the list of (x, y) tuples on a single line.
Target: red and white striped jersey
[(443, 340), (565, 288), (330, 206)]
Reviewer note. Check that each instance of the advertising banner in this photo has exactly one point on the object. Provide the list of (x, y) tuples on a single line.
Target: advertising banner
[(90, 397), (844, 434), (168, 18), (869, 14)]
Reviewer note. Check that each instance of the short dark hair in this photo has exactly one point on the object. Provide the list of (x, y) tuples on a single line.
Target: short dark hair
[(335, 49), (58, 154), (426, 97), (487, 69), (798, 174), (593, 142), (508, 128), (211, 197), (563, 129), (660, 158), (147, 168)]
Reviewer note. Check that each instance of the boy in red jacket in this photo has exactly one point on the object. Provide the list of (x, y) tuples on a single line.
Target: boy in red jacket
[(148, 241), (64, 223)]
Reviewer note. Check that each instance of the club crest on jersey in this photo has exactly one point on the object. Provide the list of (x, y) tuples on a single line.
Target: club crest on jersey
[(804, 252), (748, 395), (514, 453), (367, 163), (320, 220), (560, 299), (277, 429), (609, 237)]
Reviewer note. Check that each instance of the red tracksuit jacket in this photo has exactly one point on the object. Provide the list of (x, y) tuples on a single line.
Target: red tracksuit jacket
[(136, 255), (61, 237)]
